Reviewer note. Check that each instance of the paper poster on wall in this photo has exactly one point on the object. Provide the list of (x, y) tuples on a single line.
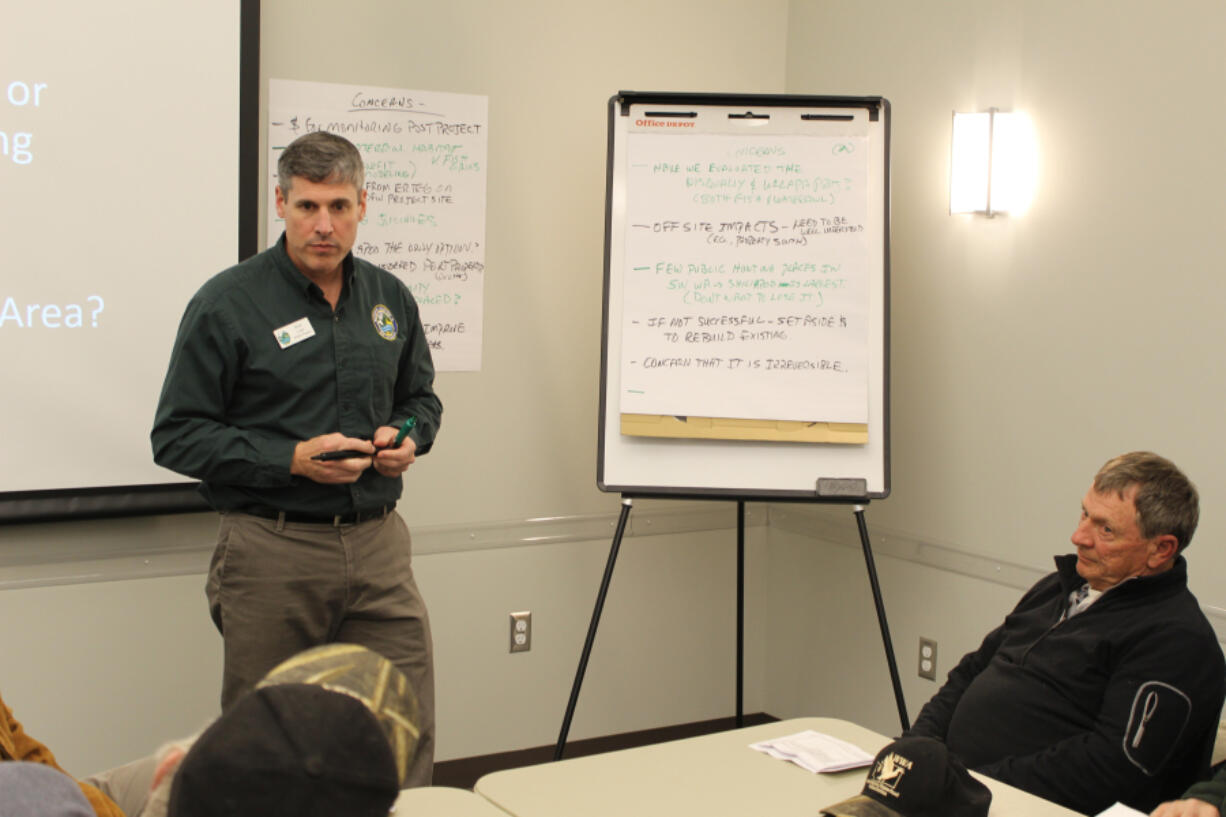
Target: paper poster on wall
[(425, 155), (746, 277)]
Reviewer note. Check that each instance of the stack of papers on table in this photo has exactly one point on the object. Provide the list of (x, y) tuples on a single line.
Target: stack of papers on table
[(815, 752)]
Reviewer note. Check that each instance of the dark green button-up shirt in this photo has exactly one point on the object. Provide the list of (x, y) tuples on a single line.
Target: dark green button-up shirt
[(261, 362)]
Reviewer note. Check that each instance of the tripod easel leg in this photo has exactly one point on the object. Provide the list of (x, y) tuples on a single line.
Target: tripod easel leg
[(885, 628), (591, 630), (740, 614)]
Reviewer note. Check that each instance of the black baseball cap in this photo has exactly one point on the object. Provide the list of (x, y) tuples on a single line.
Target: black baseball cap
[(289, 750), (916, 777)]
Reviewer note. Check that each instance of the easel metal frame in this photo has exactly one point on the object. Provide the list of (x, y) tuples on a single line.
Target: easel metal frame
[(606, 580), (612, 477)]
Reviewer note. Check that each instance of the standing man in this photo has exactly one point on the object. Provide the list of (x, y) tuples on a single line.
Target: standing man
[(1106, 681), (301, 350)]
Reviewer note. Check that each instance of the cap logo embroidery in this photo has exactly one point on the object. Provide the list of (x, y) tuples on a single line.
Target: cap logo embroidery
[(384, 321), (887, 774)]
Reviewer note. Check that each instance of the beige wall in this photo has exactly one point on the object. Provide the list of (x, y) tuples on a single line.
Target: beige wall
[(824, 646), (1026, 352)]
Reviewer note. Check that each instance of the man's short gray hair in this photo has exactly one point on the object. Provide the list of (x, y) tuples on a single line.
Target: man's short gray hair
[(1166, 500), (321, 157)]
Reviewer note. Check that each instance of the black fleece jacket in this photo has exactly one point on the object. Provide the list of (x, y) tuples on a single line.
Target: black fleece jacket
[(1119, 703)]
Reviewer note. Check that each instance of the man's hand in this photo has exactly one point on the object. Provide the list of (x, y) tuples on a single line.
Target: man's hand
[(392, 462), (332, 472), (1185, 808)]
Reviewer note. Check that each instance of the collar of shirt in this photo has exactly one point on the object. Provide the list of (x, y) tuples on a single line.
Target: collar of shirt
[(300, 281), (1081, 598)]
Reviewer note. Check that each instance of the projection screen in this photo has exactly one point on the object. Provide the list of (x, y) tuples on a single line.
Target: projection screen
[(128, 161)]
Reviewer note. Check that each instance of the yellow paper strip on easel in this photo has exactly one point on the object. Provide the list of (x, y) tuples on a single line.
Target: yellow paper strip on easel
[(727, 428)]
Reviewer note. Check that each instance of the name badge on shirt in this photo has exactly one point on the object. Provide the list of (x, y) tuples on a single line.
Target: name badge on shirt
[(295, 332)]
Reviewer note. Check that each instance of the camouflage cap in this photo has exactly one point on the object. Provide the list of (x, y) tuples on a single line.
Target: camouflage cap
[(363, 674)]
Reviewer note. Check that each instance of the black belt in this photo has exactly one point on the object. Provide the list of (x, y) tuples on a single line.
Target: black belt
[(335, 520)]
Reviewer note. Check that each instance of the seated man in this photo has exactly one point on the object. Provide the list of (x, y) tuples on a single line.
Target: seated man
[(1106, 681), (15, 744)]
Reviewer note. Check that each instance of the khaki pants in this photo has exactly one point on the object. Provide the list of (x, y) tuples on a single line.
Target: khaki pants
[(277, 588), (127, 785)]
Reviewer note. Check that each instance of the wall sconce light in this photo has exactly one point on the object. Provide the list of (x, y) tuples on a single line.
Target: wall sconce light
[(994, 163)]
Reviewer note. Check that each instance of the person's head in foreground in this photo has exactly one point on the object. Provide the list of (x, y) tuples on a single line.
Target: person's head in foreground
[(367, 676), (289, 749), (329, 732)]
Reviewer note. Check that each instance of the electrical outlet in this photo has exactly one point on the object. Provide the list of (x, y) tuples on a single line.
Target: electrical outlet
[(521, 631), (928, 659)]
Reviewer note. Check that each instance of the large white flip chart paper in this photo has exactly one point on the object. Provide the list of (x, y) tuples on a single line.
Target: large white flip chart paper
[(746, 282)]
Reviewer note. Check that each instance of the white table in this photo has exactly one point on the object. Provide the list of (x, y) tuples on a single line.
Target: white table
[(712, 775), (441, 801)]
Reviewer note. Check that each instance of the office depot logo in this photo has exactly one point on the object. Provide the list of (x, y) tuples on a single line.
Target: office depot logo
[(664, 123)]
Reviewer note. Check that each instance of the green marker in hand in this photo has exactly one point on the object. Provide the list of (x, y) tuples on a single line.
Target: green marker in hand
[(404, 431)]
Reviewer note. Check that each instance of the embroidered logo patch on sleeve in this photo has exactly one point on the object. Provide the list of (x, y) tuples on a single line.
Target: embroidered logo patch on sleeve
[(384, 321), (1160, 712)]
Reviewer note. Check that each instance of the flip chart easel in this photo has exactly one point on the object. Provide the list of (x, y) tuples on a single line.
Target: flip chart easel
[(746, 312), (746, 283)]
